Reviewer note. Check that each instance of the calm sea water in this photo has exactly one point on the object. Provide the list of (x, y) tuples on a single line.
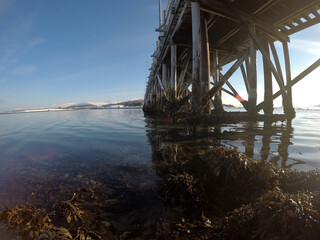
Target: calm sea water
[(118, 148)]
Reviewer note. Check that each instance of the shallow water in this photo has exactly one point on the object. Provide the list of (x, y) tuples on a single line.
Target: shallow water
[(45, 157)]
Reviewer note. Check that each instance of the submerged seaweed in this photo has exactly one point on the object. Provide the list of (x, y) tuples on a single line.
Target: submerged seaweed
[(215, 193)]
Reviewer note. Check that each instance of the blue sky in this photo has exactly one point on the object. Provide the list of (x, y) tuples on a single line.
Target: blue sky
[(54, 52)]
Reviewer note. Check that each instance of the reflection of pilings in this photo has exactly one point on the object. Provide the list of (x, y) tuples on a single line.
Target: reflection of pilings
[(266, 140), (250, 138), (284, 145)]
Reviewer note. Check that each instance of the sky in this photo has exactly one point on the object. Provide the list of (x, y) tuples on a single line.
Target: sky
[(54, 52), (73, 51)]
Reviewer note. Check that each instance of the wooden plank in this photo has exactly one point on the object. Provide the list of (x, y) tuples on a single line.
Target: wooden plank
[(180, 20), (221, 9)]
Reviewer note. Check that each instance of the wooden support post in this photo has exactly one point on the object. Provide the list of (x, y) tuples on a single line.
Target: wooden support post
[(252, 75), (196, 58), (288, 108), (205, 63), (213, 91), (288, 68), (165, 76), (173, 78), (216, 78), (183, 73), (245, 78), (268, 107)]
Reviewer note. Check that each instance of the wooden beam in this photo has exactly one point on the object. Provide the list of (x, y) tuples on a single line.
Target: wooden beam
[(222, 9), (218, 106), (311, 68), (183, 72), (268, 107), (196, 58), (173, 72), (276, 60), (213, 91), (205, 62), (252, 74), (288, 67), (180, 20), (245, 78), (165, 76), (288, 108), (162, 88)]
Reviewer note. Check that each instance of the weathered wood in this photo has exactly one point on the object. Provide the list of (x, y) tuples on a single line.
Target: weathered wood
[(162, 88), (196, 57), (276, 60), (236, 94), (245, 78), (173, 72), (288, 68), (311, 68), (288, 108), (205, 62), (221, 9), (213, 91), (252, 74), (227, 21), (268, 107), (218, 106), (183, 73), (165, 76)]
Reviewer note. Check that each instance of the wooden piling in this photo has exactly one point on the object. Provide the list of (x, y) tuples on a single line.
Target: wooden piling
[(205, 63), (268, 106), (173, 72), (252, 75), (288, 68), (165, 76), (217, 102), (196, 57)]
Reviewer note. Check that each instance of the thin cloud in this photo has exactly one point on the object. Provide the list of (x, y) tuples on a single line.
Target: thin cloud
[(34, 42), (24, 70), (312, 47)]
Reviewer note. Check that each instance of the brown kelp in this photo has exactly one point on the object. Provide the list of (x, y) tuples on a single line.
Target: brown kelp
[(223, 194), (217, 193)]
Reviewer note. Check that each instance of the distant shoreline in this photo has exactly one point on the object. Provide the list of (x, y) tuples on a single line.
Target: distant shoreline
[(65, 109)]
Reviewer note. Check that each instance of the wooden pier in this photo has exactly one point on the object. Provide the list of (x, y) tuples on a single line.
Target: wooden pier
[(199, 37)]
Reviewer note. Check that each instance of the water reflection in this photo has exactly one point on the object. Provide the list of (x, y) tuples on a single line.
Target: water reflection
[(265, 141)]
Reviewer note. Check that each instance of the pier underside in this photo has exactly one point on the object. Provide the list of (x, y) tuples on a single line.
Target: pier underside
[(198, 38)]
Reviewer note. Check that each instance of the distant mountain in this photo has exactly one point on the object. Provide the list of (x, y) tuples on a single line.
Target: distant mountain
[(101, 105), (131, 103), (134, 103)]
